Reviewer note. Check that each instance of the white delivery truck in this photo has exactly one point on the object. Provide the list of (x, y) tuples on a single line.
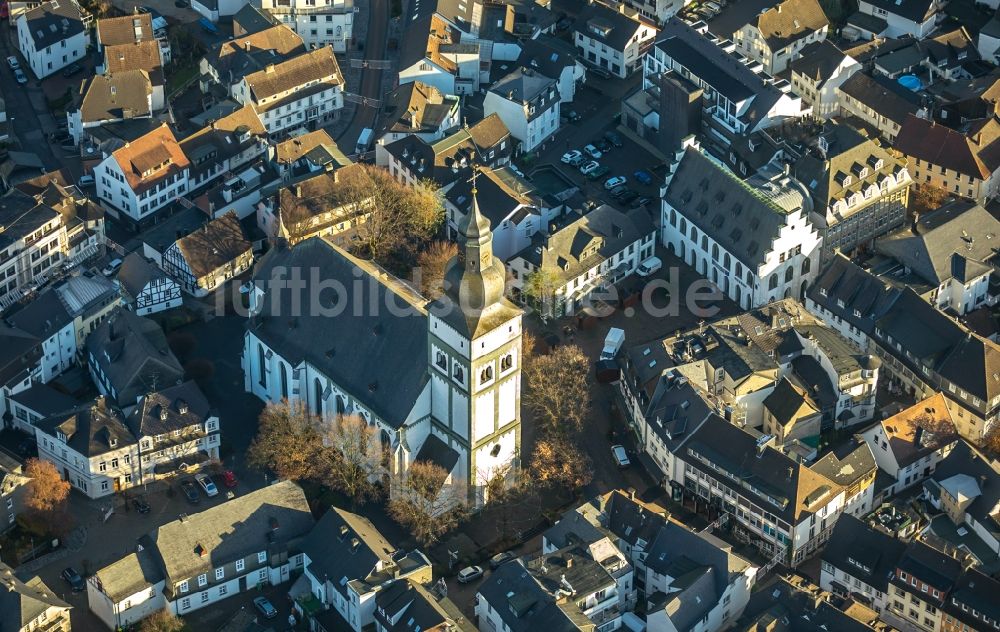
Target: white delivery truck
[(612, 343), (364, 141)]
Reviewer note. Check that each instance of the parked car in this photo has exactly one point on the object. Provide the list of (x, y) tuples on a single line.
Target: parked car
[(619, 191), (140, 505), (613, 138), (649, 266), (500, 559), (570, 156), (643, 177), (20, 76), (573, 116), (265, 607), (612, 183), (229, 479), (597, 71), (643, 201), (71, 70), (73, 579), (85, 181), (564, 24), (592, 151), (112, 267), (190, 492), (621, 457), (603, 145), (12, 63), (207, 485), (469, 574), (182, 4), (589, 167), (599, 173), (628, 197)]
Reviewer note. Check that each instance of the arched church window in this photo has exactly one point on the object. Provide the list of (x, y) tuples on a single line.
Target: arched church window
[(458, 373), (318, 388), (284, 380), (507, 362), (441, 360), (486, 374)]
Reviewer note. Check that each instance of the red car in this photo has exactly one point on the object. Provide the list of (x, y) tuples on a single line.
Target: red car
[(229, 479)]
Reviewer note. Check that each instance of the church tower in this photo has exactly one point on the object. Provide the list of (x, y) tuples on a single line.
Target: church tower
[(474, 355)]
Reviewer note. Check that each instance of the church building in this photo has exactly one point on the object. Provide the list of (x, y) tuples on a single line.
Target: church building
[(440, 379)]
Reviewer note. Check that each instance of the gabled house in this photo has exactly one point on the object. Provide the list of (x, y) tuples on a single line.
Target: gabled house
[(62, 316), (223, 146), (584, 255), (776, 36), (879, 102), (324, 204), (555, 59), (205, 557), (145, 55), (949, 250), (52, 36), (205, 259), (31, 605), (20, 363), (227, 62), (128, 29), (305, 91), (607, 38), (909, 445), (512, 600), (920, 585), (488, 143), (13, 486), (528, 104), (128, 356), (110, 98), (859, 561), (818, 72), (91, 447), (176, 431), (794, 598), (434, 53), (753, 238), (418, 109), (406, 600), (145, 288), (349, 564), (306, 154), (144, 176), (966, 163), (908, 17)]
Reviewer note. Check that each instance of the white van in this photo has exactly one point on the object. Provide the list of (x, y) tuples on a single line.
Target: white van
[(649, 267)]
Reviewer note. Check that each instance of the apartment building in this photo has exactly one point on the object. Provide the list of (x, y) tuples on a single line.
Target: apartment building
[(879, 102), (31, 605), (52, 36), (528, 103), (605, 37), (323, 23), (776, 36), (142, 177), (817, 74), (205, 259), (303, 92)]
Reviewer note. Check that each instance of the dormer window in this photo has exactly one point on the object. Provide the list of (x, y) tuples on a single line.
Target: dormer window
[(113, 442)]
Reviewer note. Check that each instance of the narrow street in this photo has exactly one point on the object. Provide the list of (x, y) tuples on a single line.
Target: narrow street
[(371, 78), (24, 103)]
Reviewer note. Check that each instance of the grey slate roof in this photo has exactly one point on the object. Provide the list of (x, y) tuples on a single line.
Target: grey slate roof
[(436, 451), (174, 408), (733, 212), (930, 566), (525, 86), (959, 228), (344, 547), (599, 22), (572, 564), (129, 575), (44, 400), (978, 592), (91, 429), (496, 199), (370, 355), (137, 272), (253, 19), (52, 22), (524, 606), (132, 352), (784, 601), (21, 602), (59, 304), (915, 10), (818, 61), (786, 400), (866, 553), (547, 54), (882, 94), (964, 459), (19, 351), (406, 606), (233, 530)]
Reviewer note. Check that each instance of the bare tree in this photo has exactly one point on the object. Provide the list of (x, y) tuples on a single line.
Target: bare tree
[(396, 213), (425, 503), (938, 432), (289, 442), (45, 499), (560, 463), (926, 197), (432, 263), (357, 461), (991, 442), (558, 388), (162, 621)]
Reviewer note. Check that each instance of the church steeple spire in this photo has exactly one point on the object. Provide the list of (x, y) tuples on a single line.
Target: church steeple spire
[(475, 279)]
